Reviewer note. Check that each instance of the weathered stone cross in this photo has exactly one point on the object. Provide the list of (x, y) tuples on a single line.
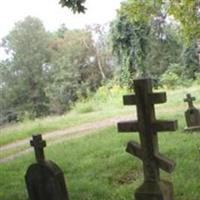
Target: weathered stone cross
[(190, 100), (38, 145), (148, 151), (192, 115)]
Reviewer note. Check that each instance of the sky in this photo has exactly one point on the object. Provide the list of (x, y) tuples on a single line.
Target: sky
[(53, 15)]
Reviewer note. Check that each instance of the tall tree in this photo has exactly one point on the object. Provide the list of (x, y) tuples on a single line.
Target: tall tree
[(73, 67), (102, 50), (27, 44), (187, 12), (144, 48), (8, 101), (184, 11), (130, 42)]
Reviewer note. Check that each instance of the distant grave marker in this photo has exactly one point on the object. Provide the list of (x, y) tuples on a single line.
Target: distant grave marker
[(44, 179), (153, 188), (192, 114)]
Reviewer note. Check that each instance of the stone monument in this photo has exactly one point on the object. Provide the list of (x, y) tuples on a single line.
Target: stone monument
[(44, 179), (147, 125), (192, 115)]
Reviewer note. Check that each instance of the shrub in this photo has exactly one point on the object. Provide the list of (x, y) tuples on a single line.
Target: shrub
[(84, 107), (174, 76), (170, 79)]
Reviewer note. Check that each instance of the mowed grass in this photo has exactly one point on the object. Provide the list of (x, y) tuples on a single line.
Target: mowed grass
[(26, 129), (107, 102), (96, 166)]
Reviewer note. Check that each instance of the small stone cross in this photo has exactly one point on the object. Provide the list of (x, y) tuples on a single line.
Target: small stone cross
[(192, 115), (190, 100), (44, 179), (38, 145), (147, 125)]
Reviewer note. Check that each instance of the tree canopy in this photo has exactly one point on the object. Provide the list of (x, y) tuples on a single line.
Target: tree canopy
[(144, 48), (187, 12), (23, 74), (47, 72)]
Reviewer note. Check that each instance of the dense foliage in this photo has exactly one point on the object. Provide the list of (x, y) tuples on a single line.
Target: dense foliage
[(46, 72), (74, 69), (147, 41), (23, 75)]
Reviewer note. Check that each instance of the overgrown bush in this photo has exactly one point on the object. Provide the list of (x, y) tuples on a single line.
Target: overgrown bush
[(170, 79), (108, 94), (174, 76)]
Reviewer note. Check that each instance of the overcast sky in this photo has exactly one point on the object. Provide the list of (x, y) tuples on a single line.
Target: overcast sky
[(52, 14)]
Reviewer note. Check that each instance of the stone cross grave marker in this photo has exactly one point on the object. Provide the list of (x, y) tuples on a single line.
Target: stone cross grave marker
[(147, 125), (192, 114), (44, 179)]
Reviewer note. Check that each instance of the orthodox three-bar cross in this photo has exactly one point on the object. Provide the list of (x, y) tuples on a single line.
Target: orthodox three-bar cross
[(38, 145), (147, 126), (190, 100)]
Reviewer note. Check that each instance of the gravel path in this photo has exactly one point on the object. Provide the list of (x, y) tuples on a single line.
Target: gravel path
[(57, 136)]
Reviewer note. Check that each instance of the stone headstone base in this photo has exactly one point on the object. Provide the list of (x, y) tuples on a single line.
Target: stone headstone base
[(193, 128), (162, 190)]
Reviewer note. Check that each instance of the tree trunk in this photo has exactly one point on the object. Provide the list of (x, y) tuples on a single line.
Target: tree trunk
[(198, 45), (100, 65)]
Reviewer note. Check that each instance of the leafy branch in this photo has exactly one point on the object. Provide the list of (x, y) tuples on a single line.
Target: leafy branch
[(74, 5)]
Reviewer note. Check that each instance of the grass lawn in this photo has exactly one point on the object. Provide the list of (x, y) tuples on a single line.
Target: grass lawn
[(96, 108), (96, 166), (106, 103)]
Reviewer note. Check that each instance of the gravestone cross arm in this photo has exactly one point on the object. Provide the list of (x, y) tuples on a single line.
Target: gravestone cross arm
[(148, 126), (164, 163), (190, 100), (38, 145), (159, 97)]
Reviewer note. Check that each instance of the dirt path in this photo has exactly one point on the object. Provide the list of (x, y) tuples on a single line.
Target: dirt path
[(57, 136)]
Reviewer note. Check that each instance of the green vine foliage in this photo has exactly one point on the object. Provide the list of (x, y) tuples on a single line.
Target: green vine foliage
[(130, 43), (144, 48)]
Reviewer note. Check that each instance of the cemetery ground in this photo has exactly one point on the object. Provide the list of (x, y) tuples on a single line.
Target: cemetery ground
[(95, 165)]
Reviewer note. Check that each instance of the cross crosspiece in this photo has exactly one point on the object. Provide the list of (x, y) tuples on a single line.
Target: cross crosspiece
[(190, 100), (38, 145), (147, 126)]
